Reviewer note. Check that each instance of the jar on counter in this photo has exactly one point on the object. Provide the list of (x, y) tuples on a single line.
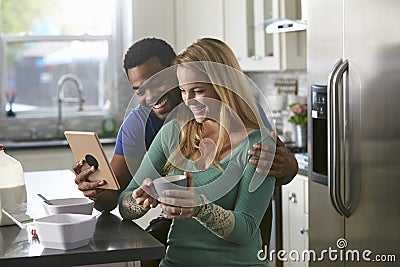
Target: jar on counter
[(12, 184)]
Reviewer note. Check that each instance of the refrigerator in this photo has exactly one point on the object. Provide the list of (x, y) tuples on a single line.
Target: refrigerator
[(353, 74)]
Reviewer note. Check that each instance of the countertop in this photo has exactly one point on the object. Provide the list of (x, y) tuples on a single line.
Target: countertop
[(302, 161), (114, 240)]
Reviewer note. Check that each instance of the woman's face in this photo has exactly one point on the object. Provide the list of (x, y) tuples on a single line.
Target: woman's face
[(198, 94)]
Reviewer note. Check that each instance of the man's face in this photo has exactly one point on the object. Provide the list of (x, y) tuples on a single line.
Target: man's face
[(156, 92)]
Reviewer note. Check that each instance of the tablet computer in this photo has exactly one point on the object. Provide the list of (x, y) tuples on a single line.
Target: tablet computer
[(87, 146)]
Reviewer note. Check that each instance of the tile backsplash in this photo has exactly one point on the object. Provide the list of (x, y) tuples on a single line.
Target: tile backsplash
[(266, 80), (45, 128)]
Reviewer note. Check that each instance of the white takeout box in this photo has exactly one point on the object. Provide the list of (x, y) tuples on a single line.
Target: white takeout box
[(65, 231), (69, 205)]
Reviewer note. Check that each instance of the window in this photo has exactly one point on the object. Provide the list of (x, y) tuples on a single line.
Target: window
[(41, 40)]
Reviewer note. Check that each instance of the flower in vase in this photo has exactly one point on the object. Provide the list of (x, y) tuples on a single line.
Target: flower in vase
[(299, 113)]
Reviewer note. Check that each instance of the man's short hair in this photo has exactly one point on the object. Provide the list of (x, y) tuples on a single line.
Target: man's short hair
[(145, 49)]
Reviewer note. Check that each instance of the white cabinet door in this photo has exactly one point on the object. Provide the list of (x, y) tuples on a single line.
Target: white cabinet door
[(196, 19), (52, 158), (154, 18), (293, 45), (237, 22), (179, 22), (295, 220), (245, 34), (256, 50), (39, 159)]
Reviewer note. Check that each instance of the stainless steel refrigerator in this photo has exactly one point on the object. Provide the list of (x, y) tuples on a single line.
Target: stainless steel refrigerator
[(353, 67)]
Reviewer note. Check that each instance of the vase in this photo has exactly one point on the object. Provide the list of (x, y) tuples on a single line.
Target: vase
[(300, 135)]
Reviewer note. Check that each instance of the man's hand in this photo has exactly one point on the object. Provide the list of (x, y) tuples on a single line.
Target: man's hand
[(144, 195), (284, 165), (89, 189)]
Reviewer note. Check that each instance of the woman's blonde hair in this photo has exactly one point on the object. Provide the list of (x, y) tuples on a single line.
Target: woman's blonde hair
[(215, 59)]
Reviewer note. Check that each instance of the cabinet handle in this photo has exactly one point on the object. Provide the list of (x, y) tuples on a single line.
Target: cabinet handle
[(303, 231), (256, 57), (293, 198)]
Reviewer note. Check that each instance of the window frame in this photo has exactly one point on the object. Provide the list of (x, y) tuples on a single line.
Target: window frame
[(111, 69)]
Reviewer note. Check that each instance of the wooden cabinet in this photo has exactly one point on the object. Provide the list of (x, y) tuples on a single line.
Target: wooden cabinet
[(295, 219), (237, 22)]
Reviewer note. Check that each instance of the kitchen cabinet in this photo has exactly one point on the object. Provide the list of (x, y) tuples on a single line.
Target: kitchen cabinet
[(196, 19), (295, 220), (256, 50), (154, 18), (179, 22), (237, 22), (49, 158)]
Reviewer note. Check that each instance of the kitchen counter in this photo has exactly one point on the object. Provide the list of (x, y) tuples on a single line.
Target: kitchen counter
[(114, 240), (302, 161)]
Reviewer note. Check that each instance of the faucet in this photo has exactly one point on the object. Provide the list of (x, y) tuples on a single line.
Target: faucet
[(60, 97)]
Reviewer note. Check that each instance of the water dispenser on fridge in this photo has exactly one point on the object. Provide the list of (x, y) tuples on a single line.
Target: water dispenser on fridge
[(319, 135)]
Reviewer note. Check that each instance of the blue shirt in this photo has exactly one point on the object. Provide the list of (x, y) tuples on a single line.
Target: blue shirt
[(137, 133)]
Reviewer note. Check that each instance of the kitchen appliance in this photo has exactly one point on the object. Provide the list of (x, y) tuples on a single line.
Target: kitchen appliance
[(319, 126), (278, 104), (274, 25), (12, 184), (353, 67)]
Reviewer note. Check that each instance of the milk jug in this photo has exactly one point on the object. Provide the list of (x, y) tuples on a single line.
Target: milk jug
[(12, 184)]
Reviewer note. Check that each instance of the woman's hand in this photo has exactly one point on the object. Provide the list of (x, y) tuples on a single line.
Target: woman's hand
[(144, 194), (180, 203)]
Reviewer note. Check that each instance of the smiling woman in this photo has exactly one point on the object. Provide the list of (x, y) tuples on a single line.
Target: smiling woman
[(54, 38)]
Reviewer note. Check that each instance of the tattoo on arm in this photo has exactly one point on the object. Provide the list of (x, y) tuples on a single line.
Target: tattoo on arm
[(218, 220), (133, 210)]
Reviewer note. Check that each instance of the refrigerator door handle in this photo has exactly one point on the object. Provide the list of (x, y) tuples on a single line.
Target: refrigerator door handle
[(336, 123), (331, 107)]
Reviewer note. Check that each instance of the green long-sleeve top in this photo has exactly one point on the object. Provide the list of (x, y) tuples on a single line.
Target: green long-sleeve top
[(203, 239)]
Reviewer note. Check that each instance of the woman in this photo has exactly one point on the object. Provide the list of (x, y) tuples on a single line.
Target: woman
[(216, 221)]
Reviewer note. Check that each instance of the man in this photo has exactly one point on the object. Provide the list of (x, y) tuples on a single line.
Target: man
[(142, 61)]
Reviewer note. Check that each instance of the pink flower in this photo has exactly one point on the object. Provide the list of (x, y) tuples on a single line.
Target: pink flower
[(297, 109), (299, 115)]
